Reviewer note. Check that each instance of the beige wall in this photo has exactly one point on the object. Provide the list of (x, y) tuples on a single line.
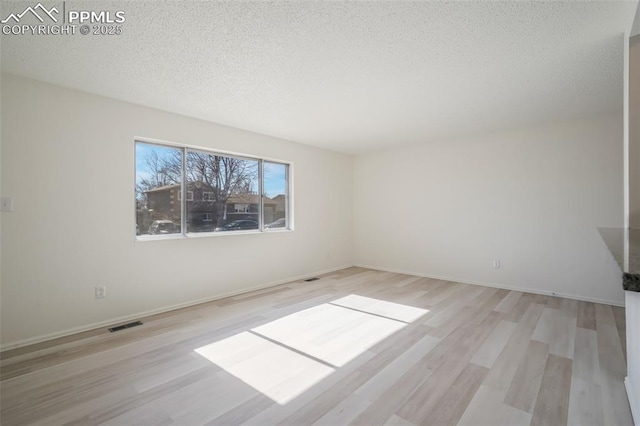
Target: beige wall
[(68, 163), (632, 299), (531, 198), (635, 27), (634, 132)]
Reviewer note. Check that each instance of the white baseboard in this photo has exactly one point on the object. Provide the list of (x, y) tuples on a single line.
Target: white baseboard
[(500, 286), (112, 321), (634, 400)]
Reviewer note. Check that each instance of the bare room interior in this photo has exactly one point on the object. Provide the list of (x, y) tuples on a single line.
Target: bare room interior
[(320, 213)]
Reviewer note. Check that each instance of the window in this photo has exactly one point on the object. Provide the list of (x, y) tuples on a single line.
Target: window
[(275, 202), (158, 208), (228, 179), (224, 192), (241, 208)]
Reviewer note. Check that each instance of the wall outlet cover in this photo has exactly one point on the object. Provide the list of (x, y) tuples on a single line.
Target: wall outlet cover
[(101, 292)]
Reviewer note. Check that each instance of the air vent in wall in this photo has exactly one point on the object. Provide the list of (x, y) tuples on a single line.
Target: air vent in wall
[(312, 279), (122, 327)]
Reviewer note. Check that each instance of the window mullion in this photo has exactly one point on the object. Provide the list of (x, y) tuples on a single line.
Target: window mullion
[(183, 202), (261, 196), (287, 199)]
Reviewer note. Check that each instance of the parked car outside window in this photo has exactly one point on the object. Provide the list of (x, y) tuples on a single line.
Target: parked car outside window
[(280, 223), (162, 227), (237, 225)]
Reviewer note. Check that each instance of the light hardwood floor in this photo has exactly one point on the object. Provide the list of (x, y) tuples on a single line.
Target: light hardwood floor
[(355, 347)]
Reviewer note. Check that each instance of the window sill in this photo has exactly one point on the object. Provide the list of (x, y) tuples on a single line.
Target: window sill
[(144, 238)]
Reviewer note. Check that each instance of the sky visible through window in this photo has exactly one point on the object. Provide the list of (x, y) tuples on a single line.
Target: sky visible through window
[(275, 179), (274, 174), (143, 153)]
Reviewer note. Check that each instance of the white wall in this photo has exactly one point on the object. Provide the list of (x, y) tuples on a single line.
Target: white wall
[(635, 28), (530, 198), (632, 157), (633, 149), (68, 163), (632, 381)]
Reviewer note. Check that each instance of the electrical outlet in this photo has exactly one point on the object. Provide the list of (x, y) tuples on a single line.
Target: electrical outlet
[(496, 264), (101, 292)]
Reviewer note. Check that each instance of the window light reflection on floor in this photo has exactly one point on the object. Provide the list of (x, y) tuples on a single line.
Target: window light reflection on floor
[(285, 357)]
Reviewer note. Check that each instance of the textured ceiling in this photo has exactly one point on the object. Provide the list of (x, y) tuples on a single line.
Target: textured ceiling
[(349, 76)]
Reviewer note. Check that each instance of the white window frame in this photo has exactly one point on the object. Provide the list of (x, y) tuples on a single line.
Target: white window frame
[(184, 234), (207, 217), (209, 197)]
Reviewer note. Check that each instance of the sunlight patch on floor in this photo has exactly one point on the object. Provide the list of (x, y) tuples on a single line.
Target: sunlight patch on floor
[(383, 308), (330, 333), (287, 356), (277, 372)]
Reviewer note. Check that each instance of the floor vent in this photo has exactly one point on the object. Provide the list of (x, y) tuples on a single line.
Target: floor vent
[(312, 279), (122, 327)]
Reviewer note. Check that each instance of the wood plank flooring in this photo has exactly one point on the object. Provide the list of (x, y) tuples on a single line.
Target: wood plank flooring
[(355, 347)]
